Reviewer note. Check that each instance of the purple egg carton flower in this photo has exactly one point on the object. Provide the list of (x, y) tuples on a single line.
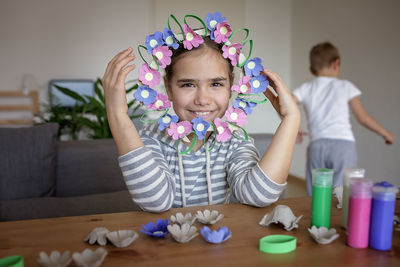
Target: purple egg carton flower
[(154, 40), (259, 84), (149, 76), (253, 67), (163, 55), (166, 120), (145, 94), (169, 39), (192, 39), (212, 20), (157, 230), (244, 104), (216, 236), (232, 52), (222, 32), (223, 131), (180, 129), (244, 86), (200, 126), (236, 115), (160, 103)]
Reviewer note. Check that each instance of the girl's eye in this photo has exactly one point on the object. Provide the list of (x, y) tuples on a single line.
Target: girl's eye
[(187, 85), (216, 84)]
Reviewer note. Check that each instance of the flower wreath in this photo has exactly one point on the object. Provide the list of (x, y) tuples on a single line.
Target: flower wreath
[(250, 88)]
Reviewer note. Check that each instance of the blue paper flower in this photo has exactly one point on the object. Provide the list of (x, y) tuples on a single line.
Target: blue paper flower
[(166, 120), (169, 39), (212, 21), (153, 41), (259, 84), (217, 236), (253, 67), (244, 104), (200, 126), (146, 95), (157, 230)]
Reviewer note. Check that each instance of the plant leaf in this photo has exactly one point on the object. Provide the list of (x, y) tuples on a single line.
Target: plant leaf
[(70, 93)]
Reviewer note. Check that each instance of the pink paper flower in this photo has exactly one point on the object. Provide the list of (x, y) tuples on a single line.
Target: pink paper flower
[(244, 86), (149, 76), (161, 102), (180, 129), (222, 32), (236, 115), (192, 39), (232, 52), (163, 55), (223, 132)]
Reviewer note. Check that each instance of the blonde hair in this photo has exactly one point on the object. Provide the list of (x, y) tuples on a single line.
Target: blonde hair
[(322, 55)]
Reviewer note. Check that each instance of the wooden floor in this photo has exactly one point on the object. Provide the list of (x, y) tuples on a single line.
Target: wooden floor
[(296, 187)]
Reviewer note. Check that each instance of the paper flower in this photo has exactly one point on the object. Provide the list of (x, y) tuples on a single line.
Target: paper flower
[(169, 39), (88, 258), (217, 236), (98, 235), (281, 214), (55, 259), (146, 95), (154, 40), (166, 120), (232, 52), (180, 129), (180, 219), (200, 126), (253, 67), (244, 104), (322, 235), (223, 132), (236, 115), (163, 55), (157, 230), (244, 86), (192, 39), (122, 238), (160, 103), (259, 84), (149, 76), (209, 217), (222, 32), (212, 21), (183, 233)]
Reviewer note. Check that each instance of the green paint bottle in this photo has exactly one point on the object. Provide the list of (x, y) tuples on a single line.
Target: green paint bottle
[(321, 197)]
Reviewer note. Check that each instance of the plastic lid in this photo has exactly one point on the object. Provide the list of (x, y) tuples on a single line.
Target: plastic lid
[(12, 261), (360, 188), (352, 173), (384, 191), (322, 177), (277, 244)]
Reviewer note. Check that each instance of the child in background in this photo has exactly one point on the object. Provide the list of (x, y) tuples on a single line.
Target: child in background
[(326, 100)]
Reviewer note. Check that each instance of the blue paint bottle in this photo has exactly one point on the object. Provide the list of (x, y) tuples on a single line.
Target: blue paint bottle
[(382, 212)]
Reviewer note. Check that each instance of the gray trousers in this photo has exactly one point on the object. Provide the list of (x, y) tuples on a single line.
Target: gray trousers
[(333, 154)]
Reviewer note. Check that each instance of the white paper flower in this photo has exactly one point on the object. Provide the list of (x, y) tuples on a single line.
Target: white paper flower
[(122, 238), (180, 219), (322, 235), (183, 233), (338, 191), (55, 259), (208, 217), (98, 235), (281, 214), (89, 258)]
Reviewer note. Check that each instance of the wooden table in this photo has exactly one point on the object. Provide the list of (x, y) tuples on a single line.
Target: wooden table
[(29, 237)]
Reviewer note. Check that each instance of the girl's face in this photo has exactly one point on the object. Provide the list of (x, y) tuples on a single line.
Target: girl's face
[(200, 85)]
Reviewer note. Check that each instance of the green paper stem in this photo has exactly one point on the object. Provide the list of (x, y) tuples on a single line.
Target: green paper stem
[(215, 137), (201, 21), (155, 120), (240, 29), (246, 136), (191, 146), (262, 96), (154, 58), (250, 42), (177, 22)]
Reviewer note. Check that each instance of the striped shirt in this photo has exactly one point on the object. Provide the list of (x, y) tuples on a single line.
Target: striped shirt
[(151, 173)]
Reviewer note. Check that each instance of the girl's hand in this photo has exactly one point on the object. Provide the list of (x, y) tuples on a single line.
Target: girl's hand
[(389, 138), (114, 82)]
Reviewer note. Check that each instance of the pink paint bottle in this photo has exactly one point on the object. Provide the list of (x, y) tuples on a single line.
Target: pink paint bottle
[(359, 212)]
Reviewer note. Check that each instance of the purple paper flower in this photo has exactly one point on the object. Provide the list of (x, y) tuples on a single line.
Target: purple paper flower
[(223, 132), (217, 236), (244, 104), (259, 84), (169, 39), (212, 21), (192, 39), (253, 67), (236, 115), (149, 76), (222, 32), (180, 129), (157, 230), (163, 55), (145, 94), (244, 86), (232, 52), (160, 103), (153, 41), (200, 126), (166, 120)]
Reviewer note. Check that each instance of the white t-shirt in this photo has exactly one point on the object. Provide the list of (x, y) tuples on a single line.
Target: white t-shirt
[(326, 101)]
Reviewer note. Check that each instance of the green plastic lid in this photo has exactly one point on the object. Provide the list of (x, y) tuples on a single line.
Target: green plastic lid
[(277, 244), (12, 261)]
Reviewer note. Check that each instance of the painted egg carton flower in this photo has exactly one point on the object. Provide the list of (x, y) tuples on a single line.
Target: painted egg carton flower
[(245, 105), (89, 258), (180, 219), (122, 238), (216, 236), (56, 259), (322, 235), (208, 217), (159, 229), (236, 115), (183, 233), (244, 86), (281, 214)]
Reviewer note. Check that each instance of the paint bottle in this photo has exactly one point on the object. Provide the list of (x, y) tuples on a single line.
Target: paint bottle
[(359, 212), (348, 174), (382, 212), (321, 197)]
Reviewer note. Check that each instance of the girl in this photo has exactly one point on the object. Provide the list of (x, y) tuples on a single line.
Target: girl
[(198, 83)]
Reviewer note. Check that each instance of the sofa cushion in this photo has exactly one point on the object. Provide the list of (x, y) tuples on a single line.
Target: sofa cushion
[(27, 161)]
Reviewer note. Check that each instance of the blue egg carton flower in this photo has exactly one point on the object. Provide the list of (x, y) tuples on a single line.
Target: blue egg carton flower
[(212, 20), (169, 39), (200, 126), (154, 40), (253, 67), (216, 236), (146, 95), (157, 230), (166, 120), (259, 84), (245, 105)]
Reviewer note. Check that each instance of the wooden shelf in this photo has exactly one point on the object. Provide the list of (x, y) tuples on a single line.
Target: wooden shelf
[(33, 106)]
